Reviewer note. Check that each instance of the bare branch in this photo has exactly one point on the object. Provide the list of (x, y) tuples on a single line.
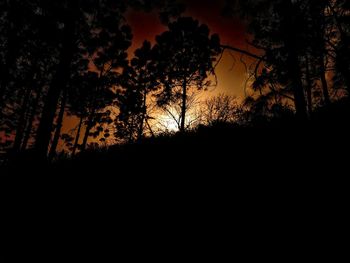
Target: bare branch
[(247, 53)]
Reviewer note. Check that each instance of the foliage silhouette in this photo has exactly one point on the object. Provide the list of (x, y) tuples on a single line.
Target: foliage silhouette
[(185, 56), (69, 60), (299, 42), (138, 81)]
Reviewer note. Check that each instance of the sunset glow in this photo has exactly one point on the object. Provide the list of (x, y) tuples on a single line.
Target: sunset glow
[(141, 84)]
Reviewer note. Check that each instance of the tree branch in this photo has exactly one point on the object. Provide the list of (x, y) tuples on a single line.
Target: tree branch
[(247, 53)]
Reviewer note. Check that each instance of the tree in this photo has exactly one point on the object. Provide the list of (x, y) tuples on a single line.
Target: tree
[(185, 56), (285, 30), (220, 109), (339, 11), (41, 42), (301, 42), (170, 115), (316, 37), (25, 59), (80, 23), (138, 82), (71, 14)]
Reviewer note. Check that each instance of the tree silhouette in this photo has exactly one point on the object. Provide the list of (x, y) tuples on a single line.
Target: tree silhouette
[(299, 41), (220, 109), (286, 27), (138, 81), (185, 56), (67, 61), (70, 14), (316, 38), (108, 59), (82, 24), (339, 12), (25, 61)]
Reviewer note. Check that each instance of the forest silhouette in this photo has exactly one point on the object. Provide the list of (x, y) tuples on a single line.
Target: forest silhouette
[(64, 59)]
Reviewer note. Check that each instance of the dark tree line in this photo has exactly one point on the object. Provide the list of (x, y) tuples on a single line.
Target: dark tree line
[(45, 47), (182, 59), (304, 47), (69, 58)]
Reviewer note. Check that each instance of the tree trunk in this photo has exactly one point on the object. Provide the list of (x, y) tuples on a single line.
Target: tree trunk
[(143, 117), (90, 120), (30, 121), (293, 64), (296, 82), (324, 83), (87, 131), (309, 86), (150, 128), (322, 56), (21, 122), (184, 106), (59, 81), (59, 125), (299, 97), (77, 137), (28, 85), (86, 137)]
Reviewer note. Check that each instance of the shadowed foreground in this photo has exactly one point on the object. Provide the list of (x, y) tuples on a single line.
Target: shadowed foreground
[(279, 147)]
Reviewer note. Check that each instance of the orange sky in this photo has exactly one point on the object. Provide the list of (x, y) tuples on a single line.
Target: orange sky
[(231, 72)]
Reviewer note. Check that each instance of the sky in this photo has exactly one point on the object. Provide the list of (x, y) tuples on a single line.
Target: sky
[(230, 71)]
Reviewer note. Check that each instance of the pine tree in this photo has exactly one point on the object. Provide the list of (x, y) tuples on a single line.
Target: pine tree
[(185, 56), (138, 82)]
